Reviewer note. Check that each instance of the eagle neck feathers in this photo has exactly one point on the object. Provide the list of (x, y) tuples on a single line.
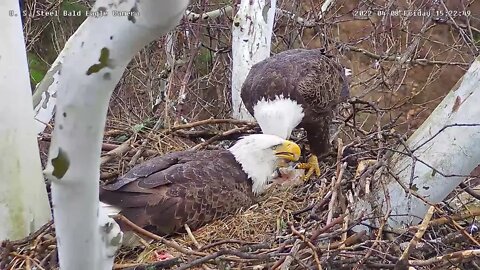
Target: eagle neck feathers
[(278, 116), (257, 159)]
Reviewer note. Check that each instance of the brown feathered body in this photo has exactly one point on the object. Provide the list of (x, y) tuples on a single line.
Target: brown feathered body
[(190, 187), (312, 79)]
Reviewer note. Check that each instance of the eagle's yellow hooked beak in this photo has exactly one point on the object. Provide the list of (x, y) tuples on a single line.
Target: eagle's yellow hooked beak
[(288, 150)]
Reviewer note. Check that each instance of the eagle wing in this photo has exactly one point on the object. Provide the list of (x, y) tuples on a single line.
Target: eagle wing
[(307, 76), (191, 187), (311, 78)]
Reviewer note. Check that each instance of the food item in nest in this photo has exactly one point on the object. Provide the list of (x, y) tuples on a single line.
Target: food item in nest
[(289, 177)]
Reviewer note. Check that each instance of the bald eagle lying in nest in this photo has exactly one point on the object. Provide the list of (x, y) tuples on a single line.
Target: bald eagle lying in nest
[(197, 187), (293, 88)]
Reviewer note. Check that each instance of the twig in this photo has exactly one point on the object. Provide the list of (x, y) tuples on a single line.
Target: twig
[(299, 20), (419, 61), (454, 257), (321, 230), (290, 258), (108, 176), (32, 236), (210, 121), (141, 266), (193, 17), (470, 191), (228, 241), (310, 245), (195, 242), (319, 205), (404, 58), (141, 231), (45, 137), (335, 189), (345, 226), (447, 240), (52, 254), (353, 239), (462, 33), (474, 212), (222, 135), (183, 86), (465, 233), (141, 148), (440, 131), (377, 238), (139, 152), (403, 261), (336, 181), (192, 237), (206, 258), (28, 260), (117, 152)]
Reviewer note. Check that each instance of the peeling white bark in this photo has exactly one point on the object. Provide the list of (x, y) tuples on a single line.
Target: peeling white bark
[(454, 151), (44, 97), (326, 6), (97, 58), (170, 39), (251, 42), (24, 206), (193, 17)]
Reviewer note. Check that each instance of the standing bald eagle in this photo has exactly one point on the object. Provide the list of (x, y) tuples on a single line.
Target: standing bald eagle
[(197, 187), (297, 87)]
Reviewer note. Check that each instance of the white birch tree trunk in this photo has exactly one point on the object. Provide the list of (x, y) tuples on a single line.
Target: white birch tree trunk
[(251, 42), (97, 58), (44, 97), (24, 206), (448, 142)]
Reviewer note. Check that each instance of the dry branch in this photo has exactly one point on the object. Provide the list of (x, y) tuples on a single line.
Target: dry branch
[(155, 237), (401, 69), (403, 261)]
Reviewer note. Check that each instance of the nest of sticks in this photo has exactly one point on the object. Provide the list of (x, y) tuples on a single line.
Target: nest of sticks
[(295, 225), (305, 226)]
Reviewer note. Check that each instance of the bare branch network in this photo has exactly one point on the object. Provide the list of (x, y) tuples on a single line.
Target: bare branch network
[(402, 67)]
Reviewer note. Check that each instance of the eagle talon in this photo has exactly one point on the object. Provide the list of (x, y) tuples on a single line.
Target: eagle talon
[(311, 166)]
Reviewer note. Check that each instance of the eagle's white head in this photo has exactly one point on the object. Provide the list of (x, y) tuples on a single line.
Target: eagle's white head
[(260, 154), (278, 116)]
